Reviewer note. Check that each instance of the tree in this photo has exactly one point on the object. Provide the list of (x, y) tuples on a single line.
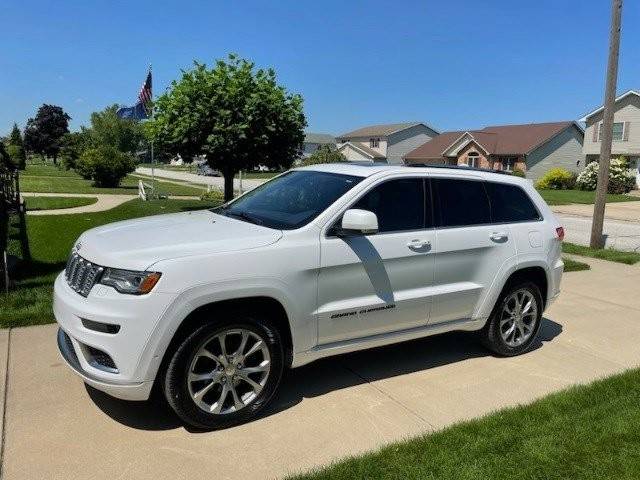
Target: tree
[(237, 116), (15, 148), (105, 165), (324, 154), (107, 128), (73, 144), (43, 133)]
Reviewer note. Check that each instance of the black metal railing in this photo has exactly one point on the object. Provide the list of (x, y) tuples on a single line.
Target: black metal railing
[(11, 204)]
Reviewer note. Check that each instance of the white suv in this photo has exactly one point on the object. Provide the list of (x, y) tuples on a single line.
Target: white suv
[(213, 305)]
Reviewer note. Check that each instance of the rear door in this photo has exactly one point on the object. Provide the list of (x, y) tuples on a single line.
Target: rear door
[(469, 249), (373, 284)]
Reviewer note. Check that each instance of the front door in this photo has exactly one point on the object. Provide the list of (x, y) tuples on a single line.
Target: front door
[(373, 284)]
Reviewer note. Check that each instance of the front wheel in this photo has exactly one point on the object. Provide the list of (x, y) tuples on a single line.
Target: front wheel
[(515, 320), (224, 373)]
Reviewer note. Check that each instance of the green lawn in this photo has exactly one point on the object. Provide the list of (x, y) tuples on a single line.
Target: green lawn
[(583, 433), (52, 203), (565, 197), (574, 266), (50, 240), (610, 254), (49, 179)]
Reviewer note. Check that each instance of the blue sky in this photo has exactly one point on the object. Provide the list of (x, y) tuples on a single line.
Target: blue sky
[(454, 64)]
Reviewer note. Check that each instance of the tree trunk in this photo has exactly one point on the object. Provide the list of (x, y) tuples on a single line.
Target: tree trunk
[(228, 185)]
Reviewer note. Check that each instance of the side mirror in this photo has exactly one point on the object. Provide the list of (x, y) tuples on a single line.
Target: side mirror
[(359, 222)]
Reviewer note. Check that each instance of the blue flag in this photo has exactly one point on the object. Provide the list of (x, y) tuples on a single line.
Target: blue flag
[(137, 112)]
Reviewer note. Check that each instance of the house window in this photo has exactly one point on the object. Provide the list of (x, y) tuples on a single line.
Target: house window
[(374, 142), (473, 159), (618, 131)]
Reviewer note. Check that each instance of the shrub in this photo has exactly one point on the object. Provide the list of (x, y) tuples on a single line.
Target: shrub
[(105, 165), (518, 172), (621, 180), (555, 179), (324, 154)]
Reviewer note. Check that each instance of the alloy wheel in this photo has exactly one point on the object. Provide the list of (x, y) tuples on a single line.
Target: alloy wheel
[(228, 371), (518, 317)]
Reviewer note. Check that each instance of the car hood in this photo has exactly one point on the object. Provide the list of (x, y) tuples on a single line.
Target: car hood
[(137, 244)]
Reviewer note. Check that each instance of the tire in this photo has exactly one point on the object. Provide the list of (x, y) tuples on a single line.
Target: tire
[(198, 365), (495, 334)]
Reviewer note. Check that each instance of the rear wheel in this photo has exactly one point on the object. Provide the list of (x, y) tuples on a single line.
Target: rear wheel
[(223, 374), (515, 320)]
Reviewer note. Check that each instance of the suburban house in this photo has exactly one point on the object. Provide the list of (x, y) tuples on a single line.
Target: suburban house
[(313, 141), (384, 143), (534, 148), (626, 131)]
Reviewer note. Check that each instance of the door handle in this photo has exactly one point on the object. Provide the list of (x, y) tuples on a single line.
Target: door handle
[(499, 236), (419, 244)]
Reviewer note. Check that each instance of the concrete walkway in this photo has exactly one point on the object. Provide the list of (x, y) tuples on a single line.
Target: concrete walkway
[(105, 201), (55, 428)]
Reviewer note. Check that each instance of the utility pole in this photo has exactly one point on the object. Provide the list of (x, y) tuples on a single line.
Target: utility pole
[(597, 240)]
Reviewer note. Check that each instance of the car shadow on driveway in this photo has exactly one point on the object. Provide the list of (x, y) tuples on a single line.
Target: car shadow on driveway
[(327, 375)]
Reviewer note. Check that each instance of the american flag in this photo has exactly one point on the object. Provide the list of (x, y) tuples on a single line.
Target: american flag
[(145, 95)]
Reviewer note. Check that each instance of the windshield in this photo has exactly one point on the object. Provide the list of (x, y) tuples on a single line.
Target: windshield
[(291, 200)]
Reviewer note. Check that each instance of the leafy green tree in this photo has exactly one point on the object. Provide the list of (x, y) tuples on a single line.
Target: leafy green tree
[(324, 154), (237, 116), (5, 160), (73, 144), (108, 129), (15, 148), (105, 165), (43, 133)]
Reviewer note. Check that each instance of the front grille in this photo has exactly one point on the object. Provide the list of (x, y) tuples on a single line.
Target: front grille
[(81, 274)]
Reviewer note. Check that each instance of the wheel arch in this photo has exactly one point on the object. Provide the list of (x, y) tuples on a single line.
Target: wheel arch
[(535, 274), (259, 303)]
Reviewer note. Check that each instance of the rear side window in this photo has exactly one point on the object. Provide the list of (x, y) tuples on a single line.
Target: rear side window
[(398, 204), (509, 203), (461, 202)]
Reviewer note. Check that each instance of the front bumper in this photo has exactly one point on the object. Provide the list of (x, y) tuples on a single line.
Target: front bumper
[(133, 391), (130, 376)]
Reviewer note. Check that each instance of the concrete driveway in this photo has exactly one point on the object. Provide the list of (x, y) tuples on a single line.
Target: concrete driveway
[(55, 428)]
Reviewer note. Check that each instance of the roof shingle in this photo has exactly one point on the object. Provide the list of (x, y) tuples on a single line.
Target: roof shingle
[(497, 140)]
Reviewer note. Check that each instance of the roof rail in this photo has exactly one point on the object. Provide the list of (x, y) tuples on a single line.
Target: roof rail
[(458, 167)]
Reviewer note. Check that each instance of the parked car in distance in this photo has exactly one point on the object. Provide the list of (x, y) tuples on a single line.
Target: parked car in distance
[(213, 305), (207, 171)]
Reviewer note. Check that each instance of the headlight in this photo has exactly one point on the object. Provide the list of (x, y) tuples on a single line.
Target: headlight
[(127, 281)]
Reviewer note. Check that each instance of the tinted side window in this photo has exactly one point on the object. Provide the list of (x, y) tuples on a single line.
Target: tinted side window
[(399, 204), (510, 203), (461, 202)]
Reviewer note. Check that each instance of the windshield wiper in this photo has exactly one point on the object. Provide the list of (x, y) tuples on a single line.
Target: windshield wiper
[(244, 216)]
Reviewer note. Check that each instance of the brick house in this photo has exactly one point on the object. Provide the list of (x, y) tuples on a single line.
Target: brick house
[(533, 148)]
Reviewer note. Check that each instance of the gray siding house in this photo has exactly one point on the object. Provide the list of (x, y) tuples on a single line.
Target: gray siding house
[(384, 143), (626, 131), (313, 141)]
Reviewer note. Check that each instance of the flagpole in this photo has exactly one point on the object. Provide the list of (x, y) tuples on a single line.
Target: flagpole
[(153, 171)]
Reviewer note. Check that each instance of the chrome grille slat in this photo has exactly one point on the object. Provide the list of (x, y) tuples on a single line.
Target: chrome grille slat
[(81, 274)]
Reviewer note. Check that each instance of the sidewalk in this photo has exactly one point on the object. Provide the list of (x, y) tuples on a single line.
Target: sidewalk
[(55, 428), (623, 211), (106, 201)]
